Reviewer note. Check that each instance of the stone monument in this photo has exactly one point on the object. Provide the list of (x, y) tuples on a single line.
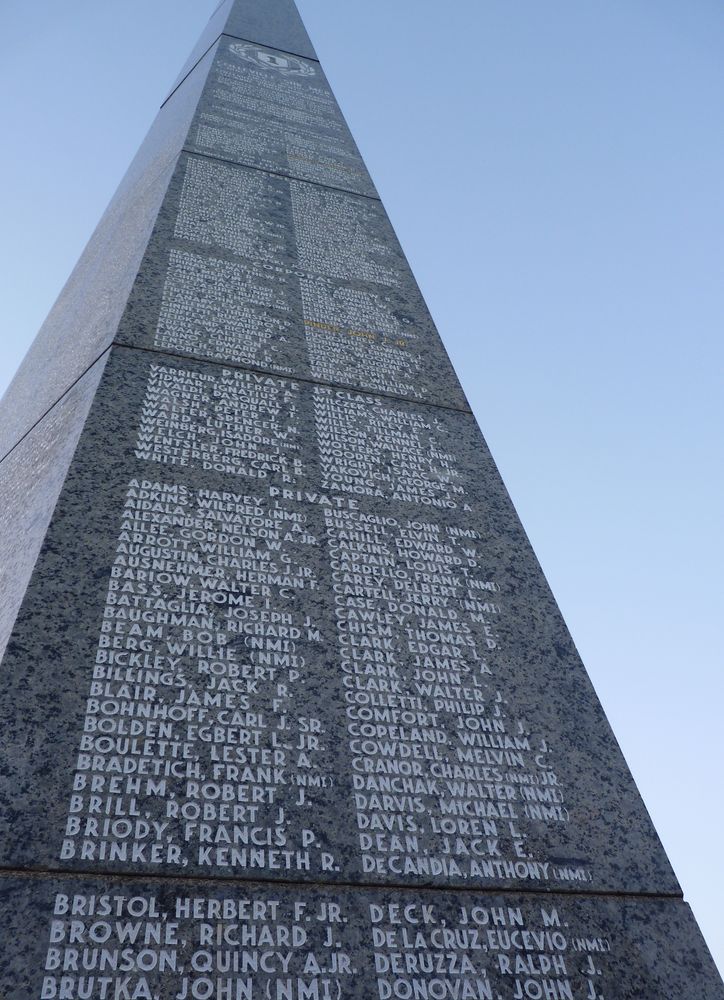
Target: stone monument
[(288, 711)]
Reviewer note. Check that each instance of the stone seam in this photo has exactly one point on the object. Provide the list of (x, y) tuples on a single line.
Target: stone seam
[(268, 883), (225, 34)]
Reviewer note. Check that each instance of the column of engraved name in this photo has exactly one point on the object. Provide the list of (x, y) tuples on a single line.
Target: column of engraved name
[(446, 779), (190, 743)]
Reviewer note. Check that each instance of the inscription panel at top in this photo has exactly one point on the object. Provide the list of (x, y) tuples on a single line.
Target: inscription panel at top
[(275, 111), (304, 638), (256, 269)]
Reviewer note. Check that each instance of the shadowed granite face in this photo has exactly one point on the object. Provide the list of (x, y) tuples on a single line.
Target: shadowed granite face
[(255, 269), (179, 940), (31, 478), (313, 614), (84, 319), (209, 36)]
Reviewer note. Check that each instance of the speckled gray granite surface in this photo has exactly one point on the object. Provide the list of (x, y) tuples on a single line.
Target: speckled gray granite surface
[(181, 940), (313, 274), (275, 111), (250, 268), (84, 319), (31, 478), (208, 37), (292, 630), (276, 24), (287, 671)]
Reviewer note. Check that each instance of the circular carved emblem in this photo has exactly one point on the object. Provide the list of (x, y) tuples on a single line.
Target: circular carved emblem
[(281, 62)]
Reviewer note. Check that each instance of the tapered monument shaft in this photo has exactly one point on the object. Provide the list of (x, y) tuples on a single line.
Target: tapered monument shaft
[(288, 709)]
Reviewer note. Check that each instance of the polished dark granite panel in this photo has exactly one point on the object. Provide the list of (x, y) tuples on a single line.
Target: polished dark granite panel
[(183, 940), (286, 630), (275, 23), (250, 268), (31, 478), (274, 111), (85, 317)]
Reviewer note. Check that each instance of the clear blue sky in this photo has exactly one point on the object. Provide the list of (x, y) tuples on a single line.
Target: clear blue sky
[(554, 171)]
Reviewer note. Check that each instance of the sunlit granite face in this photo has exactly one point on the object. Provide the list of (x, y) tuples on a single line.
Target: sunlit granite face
[(84, 319), (31, 478)]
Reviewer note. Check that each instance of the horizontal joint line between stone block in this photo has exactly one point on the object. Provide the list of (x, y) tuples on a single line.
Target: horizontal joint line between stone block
[(52, 406), (292, 377), (279, 173), (184, 78), (255, 41), (267, 883)]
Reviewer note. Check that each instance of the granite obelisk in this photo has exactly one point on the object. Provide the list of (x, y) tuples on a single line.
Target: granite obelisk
[(288, 709)]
